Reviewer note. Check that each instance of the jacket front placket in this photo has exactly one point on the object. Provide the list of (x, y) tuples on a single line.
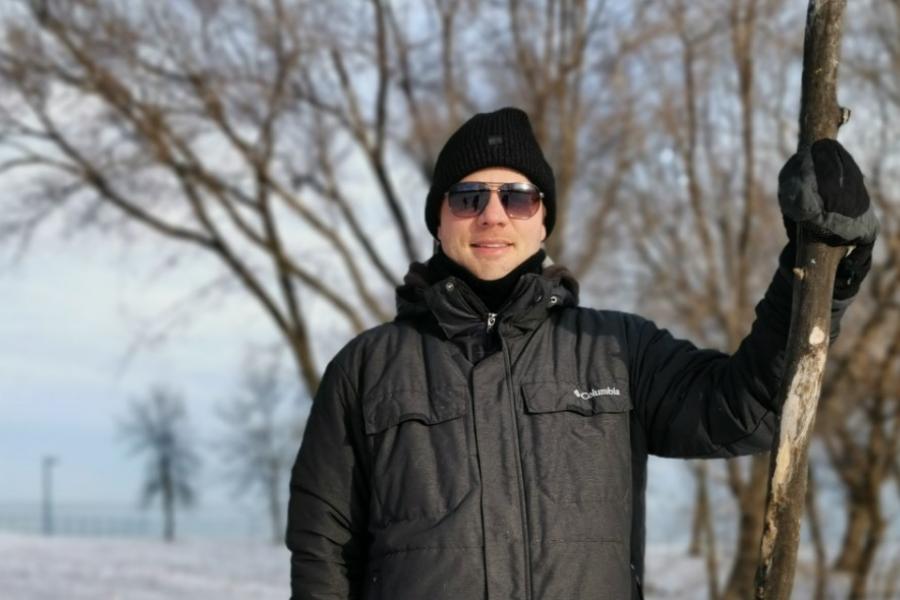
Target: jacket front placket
[(496, 411), (504, 520)]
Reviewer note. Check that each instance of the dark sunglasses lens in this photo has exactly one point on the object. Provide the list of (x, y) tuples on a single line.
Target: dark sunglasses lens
[(520, 203), (467, 202)]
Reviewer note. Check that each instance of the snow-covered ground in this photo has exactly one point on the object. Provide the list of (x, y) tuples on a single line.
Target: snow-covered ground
[(39, 568)]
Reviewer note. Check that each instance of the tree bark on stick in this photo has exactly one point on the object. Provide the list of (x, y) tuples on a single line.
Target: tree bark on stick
[(807, 346)]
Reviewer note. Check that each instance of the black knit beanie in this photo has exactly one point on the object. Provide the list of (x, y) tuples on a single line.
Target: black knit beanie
[(498, 139)]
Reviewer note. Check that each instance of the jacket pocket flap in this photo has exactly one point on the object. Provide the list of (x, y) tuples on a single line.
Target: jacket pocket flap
[(554, 396), (388, 409)]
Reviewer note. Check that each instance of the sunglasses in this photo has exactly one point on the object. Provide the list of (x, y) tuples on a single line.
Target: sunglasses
[(468, 199)]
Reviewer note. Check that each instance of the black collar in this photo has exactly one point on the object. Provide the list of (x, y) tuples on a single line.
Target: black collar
[(493, 294)]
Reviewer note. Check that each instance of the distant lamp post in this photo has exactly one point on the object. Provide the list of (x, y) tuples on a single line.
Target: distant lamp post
[(48, 463)]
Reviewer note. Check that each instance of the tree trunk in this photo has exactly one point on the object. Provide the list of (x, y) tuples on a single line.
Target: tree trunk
[(703, 533), (855, 535), (167, 489), (701, 508), (815, 529), (867, 556), (712, 563), (275, 513), (169, 517), (751, 502)]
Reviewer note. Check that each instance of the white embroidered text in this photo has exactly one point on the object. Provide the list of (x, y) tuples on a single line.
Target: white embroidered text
[(607, 391)]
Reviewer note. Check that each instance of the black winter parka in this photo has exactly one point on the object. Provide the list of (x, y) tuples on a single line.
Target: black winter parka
[(455, 454)]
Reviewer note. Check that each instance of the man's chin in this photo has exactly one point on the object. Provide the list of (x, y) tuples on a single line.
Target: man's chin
[(491, 271)]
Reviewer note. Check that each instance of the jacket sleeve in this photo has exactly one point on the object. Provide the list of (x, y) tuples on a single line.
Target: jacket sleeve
[(326, 530), (704, 403)]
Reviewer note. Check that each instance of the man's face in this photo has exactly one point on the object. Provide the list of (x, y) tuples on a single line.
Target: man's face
[(491, 244)]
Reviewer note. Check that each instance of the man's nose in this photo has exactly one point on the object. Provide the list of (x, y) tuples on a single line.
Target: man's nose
[(494, 212)]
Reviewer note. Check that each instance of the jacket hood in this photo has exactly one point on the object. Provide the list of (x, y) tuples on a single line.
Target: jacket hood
[(457, 309)]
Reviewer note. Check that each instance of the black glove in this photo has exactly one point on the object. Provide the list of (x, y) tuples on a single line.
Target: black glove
[(822, 188)]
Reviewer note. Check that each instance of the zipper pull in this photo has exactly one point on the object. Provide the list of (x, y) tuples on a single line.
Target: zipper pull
[(491, 319)]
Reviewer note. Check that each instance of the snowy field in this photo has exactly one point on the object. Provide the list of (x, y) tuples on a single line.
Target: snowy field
[(37, 568)]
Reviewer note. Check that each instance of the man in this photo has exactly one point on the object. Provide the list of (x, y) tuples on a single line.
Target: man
[(492, 441)]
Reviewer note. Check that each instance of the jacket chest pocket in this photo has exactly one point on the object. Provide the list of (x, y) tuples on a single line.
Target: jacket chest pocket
[(419, 442), (579, 451)]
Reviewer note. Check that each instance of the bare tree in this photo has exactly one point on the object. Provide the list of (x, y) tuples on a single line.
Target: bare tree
[(261, 436), (203, 123), (699, 227), (246, 129), (157, 428)]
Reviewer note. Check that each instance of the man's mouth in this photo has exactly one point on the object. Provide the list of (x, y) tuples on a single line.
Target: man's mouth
[(491, 244)]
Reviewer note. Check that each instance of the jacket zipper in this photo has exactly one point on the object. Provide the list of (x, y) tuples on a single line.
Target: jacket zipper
[(491, 320), (524, 510)]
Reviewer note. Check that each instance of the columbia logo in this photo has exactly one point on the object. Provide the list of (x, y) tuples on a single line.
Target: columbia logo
[(607, 391)]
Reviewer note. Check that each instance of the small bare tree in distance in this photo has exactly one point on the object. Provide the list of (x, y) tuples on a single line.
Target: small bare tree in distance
[(156, 426), (260, 439)]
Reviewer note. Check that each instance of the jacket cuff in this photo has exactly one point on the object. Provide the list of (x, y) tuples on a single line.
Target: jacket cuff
[(775, 306)]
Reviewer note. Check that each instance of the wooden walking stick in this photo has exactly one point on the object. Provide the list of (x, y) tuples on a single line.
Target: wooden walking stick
[(807, 346)]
